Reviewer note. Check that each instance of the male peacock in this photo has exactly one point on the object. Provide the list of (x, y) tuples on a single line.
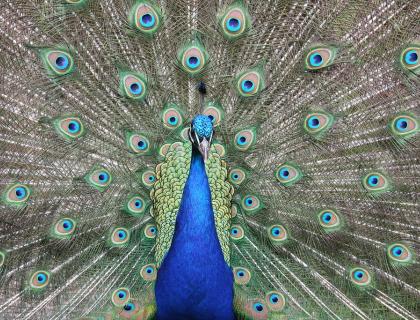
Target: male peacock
[(209, 159)]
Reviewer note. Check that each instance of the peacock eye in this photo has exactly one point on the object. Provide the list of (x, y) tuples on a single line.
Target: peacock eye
[(138, 143), (148, 178), (150, 231), (277, 234), (64, 227), (409, 58), (145, 18), (237, 176), (329, 220), (120, 296), (69, 127), (404, 126), (360, 276), (241, 275), (258, 307), (251, 204), (130, 309), (214, 112), (236, 232), (244, 139), (288, 174), (172, 117), (193, 58), (57, 62), (17, 194), (133, 85), (235, 22), (135, 206), (249, 83), (376, 183), (99, 178), (321, 57), (399, 253), (275, 301), (317, 123), (148, 272), (120, 236), (39, 279)]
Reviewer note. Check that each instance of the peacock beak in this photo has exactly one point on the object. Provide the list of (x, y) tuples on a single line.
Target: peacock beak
[(204, 148)]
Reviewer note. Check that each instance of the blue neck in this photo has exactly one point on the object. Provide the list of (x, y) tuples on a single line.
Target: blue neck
[(194, 281)]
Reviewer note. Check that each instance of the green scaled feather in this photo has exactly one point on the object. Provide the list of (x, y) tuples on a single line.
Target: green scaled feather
[(234, 21), (145, 17)]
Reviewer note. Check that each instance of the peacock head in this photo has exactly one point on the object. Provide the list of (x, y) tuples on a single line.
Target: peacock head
[(201, 134)]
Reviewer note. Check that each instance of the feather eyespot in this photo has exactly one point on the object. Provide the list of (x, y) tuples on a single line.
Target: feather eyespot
[(318, 123), (236, 232), (138, 143), (120, 297), (275, 301), (135, 205), (64, 228), (376, 183), (69, 127), (277, 234), (148, 178), (148, 272), (17, 194), (235, 22), (130, 310), (244, 139), (150, 231), (251, 204), (320, 57), (241, 275), (172, 117), (214, 111), (329, 220), (133, 85), (39, 279), (409, 58), (399, 253), (256, 309), (145, 18), (404, 126), (250, 83), (288, 174), (193, 58), (99, 178), (360, 276), (57, 62), (237, 176), (120, 236)]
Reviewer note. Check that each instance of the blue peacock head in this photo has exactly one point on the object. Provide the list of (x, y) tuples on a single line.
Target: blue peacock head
[(201, 134)]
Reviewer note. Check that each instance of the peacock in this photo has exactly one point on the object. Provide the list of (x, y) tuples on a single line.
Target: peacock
[(215, 159)]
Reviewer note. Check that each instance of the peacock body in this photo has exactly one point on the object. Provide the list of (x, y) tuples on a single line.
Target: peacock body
[(209, 159)]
